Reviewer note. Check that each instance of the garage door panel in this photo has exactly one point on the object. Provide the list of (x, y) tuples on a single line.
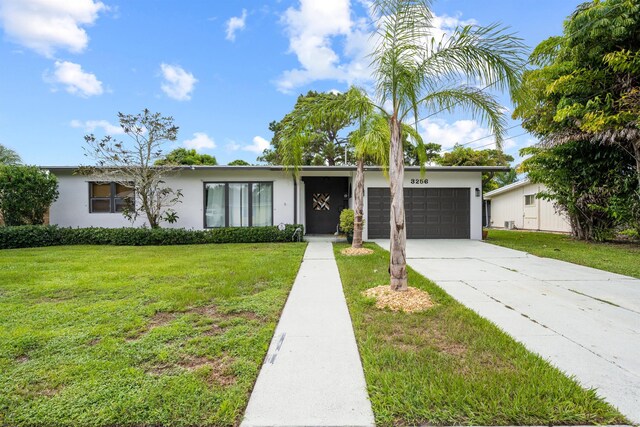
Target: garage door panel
[(431, 213)]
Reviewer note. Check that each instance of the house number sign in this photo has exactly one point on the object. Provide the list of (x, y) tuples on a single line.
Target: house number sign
[(419, 181)]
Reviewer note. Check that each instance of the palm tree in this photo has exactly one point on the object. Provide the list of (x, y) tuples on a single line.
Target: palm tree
[(416, 73), (8, 156)]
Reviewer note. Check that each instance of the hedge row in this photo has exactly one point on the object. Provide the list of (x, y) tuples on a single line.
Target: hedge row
[(31, 236)]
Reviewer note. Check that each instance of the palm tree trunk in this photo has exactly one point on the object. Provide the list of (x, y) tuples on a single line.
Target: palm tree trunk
[(398, 262), (358, 197)]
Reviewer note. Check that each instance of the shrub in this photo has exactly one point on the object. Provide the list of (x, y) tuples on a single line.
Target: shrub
[(346, 221), (31, 236), (26, 192)]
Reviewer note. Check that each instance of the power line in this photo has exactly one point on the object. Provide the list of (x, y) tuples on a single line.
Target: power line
[(486, 145), (502, 78)]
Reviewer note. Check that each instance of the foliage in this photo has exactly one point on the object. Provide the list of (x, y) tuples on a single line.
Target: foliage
[(449, 366), (26, 192), (467, 156), (37, 236), (9, 156), (506, 178), (319, 140), (133, 163), (346, 221), (416, 72), (182, 156), (593, 185), (128, 336), (239, 162), (587, 84), (620, 258)]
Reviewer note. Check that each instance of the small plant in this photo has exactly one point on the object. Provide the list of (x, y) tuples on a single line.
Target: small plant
[(346, 221)]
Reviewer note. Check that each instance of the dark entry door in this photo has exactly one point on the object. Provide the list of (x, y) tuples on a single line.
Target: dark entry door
[(324, 200), (431, 213)]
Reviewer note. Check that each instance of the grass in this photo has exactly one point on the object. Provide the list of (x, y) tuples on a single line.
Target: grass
[(621, 258), (449, 366), (106, 336)]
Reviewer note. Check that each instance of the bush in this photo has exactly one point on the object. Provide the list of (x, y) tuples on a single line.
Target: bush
[(347, 217), (26, 192), (31, 236)]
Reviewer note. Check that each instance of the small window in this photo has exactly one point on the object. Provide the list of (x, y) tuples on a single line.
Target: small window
[(530, 200), (109, 197)]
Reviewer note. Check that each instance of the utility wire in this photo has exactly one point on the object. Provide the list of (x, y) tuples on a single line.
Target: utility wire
[(502, 78)]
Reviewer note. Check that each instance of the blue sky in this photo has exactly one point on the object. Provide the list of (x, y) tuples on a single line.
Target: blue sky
[(222, 69)]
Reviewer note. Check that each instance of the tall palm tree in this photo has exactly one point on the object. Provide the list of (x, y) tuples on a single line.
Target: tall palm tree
[(8, 156), (416, 73), (371, 142)]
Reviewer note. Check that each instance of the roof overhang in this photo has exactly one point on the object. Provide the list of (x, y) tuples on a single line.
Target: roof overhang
[(507, 188), (348, 168)]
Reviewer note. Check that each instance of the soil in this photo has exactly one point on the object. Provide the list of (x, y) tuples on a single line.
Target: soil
[(356, 251), (410, 301)]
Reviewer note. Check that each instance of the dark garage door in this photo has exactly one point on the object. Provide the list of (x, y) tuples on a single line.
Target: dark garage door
[(431, 213)]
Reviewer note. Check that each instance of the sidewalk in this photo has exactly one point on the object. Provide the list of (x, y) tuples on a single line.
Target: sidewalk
[(312, 374)]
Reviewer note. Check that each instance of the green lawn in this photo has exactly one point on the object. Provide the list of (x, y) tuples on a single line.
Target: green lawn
[(449, 366), (106, 336), (621, 258)]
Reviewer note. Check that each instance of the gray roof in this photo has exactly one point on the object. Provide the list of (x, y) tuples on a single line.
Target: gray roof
[(507, 188), (347, 168)]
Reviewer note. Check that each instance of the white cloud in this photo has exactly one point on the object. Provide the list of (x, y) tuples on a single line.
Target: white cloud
[(316, 28), (92, 125), (75, 79), (235, 24), (459, 132), (258, 146), (47, 25), (200, 141), (178, 83)]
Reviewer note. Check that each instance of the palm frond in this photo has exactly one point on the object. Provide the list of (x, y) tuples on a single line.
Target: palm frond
[(479, 104)]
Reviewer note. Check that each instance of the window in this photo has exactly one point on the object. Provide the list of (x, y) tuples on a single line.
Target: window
[(238, 204), (109, 197), (530, 200)]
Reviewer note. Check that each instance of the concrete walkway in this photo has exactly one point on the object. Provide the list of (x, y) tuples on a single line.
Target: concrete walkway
[(584, 321), (312, 375)]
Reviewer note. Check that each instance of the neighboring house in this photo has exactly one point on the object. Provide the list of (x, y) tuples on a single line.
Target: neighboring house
[(446, 202), (516, 206)]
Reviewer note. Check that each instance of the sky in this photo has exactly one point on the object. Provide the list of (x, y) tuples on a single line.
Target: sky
[(222, 69)]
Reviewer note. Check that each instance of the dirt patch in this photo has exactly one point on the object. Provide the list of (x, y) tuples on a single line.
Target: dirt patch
[(410, 301), (356, 251), (207, 311), (159, 319), (94, 341), (220, 369), (23, 358)]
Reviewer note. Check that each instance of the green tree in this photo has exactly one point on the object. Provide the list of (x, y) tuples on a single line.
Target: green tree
[(132, 163), (8, 156), (467, 156), (415, 72), (505, 178), (586, 84), (239, 162), (26, 192), (183, 156), (592, 184), (320, 142)]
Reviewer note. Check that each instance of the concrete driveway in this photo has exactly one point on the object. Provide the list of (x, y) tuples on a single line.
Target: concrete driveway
[(584, 321)]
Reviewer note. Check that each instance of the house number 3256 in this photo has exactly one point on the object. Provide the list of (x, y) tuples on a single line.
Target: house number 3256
[(419, 181)]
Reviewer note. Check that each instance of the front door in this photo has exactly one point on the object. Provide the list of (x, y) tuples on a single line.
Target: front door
[(325, 198)]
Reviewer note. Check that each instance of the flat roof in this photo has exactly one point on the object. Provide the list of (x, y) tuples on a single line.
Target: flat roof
[(345, 168)]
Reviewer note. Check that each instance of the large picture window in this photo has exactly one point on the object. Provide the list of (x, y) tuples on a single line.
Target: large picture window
[(238, 204), (109, 197)]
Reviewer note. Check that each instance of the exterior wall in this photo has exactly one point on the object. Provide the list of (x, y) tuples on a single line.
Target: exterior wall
[(509, 206), (471, 180), (72, 207)]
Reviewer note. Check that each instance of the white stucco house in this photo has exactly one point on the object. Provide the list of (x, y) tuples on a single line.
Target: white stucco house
[(445, 202), (516, 206)]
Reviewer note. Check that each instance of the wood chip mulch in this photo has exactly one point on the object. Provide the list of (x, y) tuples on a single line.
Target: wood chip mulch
[(356, 251), (409, 301)]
